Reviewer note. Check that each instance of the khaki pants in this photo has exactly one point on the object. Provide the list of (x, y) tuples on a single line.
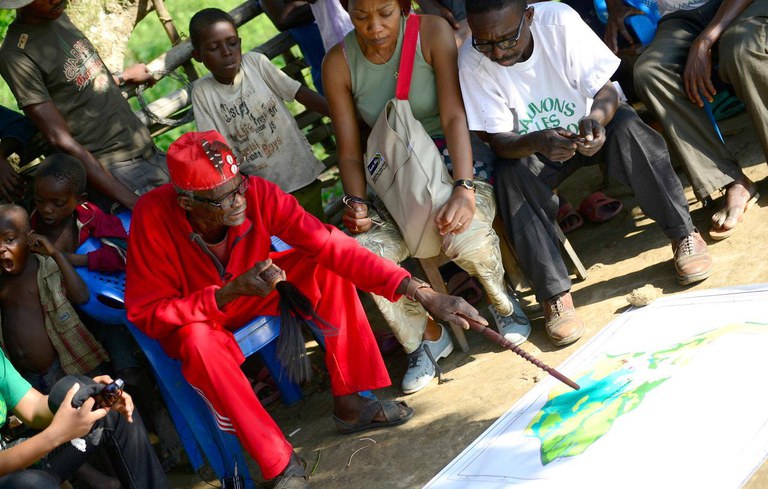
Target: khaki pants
[(476, 250), (742, 52)]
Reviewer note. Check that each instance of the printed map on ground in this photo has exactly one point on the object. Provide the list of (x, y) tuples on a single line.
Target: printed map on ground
[(671, 395)]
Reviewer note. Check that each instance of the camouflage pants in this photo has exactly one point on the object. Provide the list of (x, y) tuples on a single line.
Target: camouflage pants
[(476, 250)]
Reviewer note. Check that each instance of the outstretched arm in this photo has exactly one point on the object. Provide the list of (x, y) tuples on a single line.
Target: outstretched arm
[(449, 308)]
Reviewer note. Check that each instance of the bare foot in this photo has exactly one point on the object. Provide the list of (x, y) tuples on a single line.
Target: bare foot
[(738, 198)]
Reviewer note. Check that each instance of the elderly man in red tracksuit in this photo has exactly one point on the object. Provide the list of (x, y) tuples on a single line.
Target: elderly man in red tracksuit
[(196, 249)]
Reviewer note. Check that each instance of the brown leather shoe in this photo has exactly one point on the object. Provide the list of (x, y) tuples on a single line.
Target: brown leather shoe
[(562, 323), (693, 262)]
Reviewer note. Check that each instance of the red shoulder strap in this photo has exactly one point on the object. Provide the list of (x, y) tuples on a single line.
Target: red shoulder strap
[(407, 55)]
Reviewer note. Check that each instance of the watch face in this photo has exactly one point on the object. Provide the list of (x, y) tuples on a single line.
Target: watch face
[(464, 182)]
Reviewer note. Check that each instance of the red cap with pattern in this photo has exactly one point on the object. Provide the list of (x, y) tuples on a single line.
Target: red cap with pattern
[(201, 161)]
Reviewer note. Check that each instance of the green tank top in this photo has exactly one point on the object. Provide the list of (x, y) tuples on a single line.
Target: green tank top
[(373, 85)]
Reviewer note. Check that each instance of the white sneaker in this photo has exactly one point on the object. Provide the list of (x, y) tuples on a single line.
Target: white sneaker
[(516, 327), (422, 362)]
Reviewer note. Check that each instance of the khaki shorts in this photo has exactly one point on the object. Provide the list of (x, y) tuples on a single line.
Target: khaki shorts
[(143, 173)]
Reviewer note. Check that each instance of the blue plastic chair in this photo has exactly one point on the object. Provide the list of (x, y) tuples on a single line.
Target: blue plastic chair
[(193, 419), (642, 27)]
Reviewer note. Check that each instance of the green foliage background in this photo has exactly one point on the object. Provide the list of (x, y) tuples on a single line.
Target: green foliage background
[(149, 40)]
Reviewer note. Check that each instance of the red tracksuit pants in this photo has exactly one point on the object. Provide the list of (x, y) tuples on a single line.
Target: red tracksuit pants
[(210, 358)]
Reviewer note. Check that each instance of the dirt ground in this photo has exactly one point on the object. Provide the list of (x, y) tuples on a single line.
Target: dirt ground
[(621, 255)]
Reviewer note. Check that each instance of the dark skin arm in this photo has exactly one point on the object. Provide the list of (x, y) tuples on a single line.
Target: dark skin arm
[(559, 144), (313, 101), (434, 7), (77, 291), (446, 307), (12, 185), (135, 75), (449, 308), (338, 89), (249, 283), (618, 11), (697, 76), (592, 127), (76, 260), (287, 14), (52, 125)]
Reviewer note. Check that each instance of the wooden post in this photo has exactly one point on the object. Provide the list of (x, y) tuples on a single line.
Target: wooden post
[(170, 28), (182, 52)]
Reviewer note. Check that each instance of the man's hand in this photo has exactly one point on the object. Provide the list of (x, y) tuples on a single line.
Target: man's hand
[(12, 185), (69, 423), (138, 74), (456, 215), (248, 283), (356, 218), (591, 136), (697, 76), (40, 244), (618, 11), (251, 283), (448, 308), (124, 405), (556, 144)]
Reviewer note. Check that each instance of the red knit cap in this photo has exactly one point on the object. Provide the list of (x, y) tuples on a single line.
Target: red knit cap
[(201, 161)]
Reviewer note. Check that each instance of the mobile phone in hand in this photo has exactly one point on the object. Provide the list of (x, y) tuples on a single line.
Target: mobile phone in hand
[(110, 394)]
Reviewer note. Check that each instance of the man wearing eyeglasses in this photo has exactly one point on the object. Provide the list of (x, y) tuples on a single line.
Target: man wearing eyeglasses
[(536, 86), (196, 250)]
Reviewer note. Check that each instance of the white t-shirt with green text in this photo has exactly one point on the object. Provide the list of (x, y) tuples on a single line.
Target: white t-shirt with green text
[(553, 88)]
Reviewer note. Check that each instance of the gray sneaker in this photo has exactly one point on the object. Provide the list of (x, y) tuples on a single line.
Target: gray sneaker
[(516, 327), (422, 362)]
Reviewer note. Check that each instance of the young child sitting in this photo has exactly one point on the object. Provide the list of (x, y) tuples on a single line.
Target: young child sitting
[(243, 100), (64, 216), (40, 330), (66, 219)]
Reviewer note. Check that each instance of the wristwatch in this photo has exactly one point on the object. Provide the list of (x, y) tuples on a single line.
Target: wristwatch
[(464, 182), (120, 79)]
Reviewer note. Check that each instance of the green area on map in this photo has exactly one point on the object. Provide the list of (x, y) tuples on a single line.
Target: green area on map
[(571, 421)]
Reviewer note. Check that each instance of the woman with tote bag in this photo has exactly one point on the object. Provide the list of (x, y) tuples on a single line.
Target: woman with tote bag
[(360, 75)]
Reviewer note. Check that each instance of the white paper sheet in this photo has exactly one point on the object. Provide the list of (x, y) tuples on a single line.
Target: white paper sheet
[(672, 395)]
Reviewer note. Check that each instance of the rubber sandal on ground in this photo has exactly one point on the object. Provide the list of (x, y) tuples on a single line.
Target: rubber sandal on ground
[(568, 218), (719, 234), (598, 207), (392, 414)]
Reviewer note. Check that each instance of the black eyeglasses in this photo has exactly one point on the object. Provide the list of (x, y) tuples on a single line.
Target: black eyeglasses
[(228, 200), (486, 47)]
